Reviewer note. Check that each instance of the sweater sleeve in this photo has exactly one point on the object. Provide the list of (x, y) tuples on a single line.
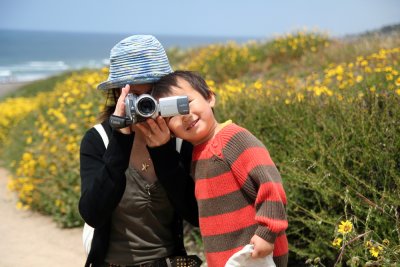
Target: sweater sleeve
[(253, 167), (102, 175), (173, 172)]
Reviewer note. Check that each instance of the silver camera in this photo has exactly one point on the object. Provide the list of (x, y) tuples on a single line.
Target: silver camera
[(140, 108)]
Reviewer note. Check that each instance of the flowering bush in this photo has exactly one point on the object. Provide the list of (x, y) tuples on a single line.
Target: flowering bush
[(219, 62), (328, 136), (47, 172)]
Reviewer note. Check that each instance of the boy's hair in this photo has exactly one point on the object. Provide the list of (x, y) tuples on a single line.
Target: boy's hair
[(163, 86)]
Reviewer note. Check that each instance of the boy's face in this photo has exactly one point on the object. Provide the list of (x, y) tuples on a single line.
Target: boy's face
[(199, 125)]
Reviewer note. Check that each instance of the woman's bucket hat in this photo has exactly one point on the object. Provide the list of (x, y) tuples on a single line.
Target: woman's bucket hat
[(137, 59)]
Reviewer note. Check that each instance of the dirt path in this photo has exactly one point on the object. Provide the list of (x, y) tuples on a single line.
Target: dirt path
[(31, 239)]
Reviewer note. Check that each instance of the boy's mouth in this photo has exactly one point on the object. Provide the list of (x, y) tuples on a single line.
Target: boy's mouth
[(192, 124)]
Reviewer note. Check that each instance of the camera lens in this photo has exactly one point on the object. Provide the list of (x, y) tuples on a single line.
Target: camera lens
[(146, 106)]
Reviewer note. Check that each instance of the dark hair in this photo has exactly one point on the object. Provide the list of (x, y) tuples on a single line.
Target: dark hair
[(163, 86), (112, 96)]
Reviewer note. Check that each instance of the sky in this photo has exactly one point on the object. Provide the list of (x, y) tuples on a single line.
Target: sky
[(251, 18)]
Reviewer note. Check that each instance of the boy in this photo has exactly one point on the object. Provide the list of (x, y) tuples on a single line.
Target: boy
[(238, 188)]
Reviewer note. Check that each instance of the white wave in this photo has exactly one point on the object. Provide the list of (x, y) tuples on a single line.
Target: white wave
[(37, 66), (34, 70), (5, 73)]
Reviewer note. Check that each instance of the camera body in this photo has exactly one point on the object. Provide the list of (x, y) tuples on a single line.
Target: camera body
[(140, 108)]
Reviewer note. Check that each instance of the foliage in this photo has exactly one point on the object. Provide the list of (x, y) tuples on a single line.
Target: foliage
[(330, 135), (46, 158)]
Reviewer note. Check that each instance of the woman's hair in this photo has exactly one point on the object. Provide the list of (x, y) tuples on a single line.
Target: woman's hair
[(163, 86), (112, 96)]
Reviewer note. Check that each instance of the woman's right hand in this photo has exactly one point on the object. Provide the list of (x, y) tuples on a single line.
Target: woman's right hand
[(120, 108)]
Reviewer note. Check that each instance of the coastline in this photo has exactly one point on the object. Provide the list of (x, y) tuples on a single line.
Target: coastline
[(6, 88)]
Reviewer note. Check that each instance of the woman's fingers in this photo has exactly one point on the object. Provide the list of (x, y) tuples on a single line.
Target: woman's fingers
[(156, 132), (141, 127), (120, 108)]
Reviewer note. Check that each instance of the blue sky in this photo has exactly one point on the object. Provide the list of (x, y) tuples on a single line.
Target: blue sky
[(251, 18)]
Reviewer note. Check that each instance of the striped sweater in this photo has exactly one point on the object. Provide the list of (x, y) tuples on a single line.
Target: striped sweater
[(239, 192)]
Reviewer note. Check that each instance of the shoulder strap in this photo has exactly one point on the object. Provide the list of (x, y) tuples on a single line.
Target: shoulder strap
[(178, 144), (102, 133)]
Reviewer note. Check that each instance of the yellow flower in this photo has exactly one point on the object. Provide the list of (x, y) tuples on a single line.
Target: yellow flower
[(369, 244), (345, 227), (258, 85), (397, 82), (19, 205), (58, 203), (359, 78), (375, 250), (337, 242), (73, 126), (27, 156)]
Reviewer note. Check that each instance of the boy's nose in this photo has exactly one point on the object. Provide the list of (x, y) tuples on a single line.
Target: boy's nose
[(186, 118)]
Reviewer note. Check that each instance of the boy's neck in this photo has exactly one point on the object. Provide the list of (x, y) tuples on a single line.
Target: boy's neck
[(217, 127)]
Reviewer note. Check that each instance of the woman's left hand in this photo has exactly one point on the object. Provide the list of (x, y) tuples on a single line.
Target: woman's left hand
[(156, 131)]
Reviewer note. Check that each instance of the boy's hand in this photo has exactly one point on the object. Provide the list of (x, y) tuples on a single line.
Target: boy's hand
[(262, 248)]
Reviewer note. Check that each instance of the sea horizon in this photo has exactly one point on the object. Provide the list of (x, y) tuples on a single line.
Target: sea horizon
[(33, 55)]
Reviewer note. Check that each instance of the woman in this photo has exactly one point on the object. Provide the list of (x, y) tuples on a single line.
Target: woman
[(136, 191)]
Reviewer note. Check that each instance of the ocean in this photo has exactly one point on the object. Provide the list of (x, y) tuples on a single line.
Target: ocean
[(33, 55)]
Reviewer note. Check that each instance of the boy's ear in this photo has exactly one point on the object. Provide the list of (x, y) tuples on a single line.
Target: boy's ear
[(211, 100)]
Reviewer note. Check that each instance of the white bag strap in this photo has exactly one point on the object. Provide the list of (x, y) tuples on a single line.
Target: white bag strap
[(87, 237), (102, 133), (178, 144), (88, 231)]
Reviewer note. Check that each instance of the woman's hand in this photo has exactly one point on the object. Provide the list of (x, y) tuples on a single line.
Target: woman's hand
[(120, 108), (156, 131), (262, 248)]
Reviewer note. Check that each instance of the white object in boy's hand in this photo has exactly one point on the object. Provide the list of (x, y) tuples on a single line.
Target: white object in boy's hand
[(243, 258)]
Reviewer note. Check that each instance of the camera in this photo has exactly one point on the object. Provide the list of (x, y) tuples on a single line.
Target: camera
[(140, 108)]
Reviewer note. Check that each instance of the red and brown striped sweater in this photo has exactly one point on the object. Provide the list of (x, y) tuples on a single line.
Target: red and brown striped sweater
[(239, 192)]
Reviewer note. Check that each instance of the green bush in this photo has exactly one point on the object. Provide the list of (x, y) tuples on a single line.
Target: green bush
[(337, 158)]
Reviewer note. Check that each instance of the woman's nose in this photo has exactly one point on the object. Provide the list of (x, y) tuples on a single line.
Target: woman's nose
[(139, 89), (140, 92)]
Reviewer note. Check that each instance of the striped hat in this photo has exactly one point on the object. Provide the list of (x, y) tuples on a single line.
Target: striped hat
[(137, 59)]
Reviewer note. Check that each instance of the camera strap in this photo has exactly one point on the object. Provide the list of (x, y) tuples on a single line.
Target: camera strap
[(118, 122)]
